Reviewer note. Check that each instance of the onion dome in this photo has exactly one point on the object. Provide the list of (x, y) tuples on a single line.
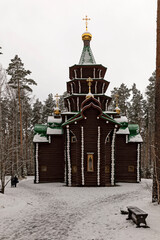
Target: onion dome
[(57, 111), (86, 36), (118, 110)]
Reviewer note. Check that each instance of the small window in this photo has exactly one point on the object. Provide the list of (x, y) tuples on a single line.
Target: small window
[(107, 169), (43, 168), (130, 168), (74, 169), (108, 139), (73, 139), (90, 167)]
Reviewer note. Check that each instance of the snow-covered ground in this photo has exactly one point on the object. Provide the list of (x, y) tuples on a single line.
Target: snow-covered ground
[(54, 211)]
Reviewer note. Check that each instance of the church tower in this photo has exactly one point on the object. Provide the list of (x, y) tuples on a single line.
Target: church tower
[(78, 73)]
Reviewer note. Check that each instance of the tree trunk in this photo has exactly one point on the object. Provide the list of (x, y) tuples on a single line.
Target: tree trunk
[(156, 182)]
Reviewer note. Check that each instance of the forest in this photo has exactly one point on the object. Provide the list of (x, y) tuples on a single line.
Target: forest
[(20, 111)]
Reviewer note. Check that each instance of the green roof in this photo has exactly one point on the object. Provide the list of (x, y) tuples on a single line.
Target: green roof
[(40, 128), (87, 56), (134, 129)]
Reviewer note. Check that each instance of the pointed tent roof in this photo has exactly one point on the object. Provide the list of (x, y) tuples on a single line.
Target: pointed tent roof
[(87, 57)]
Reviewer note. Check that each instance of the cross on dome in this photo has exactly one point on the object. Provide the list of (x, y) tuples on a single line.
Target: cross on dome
[(86, 19), (57, 99), (117, 99), (117, 109), (89, 80)]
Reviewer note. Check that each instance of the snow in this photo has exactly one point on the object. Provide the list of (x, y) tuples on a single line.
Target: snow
[(73, 113), (38, 138), (122, 130), (52, 119), (53, 211), (121, 119), (136, 138), (54, 131), (89, 95)]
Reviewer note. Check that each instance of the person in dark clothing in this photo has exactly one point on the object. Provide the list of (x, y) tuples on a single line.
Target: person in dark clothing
[(15, 181), (12, 181)]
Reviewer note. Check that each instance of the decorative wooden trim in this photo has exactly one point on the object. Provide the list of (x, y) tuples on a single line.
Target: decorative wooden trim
[(100, 73), (78, 104), (113, 157), (79, 84), (98, 99), (68, 157), (69, 105), (65, 167), (49, 138), (94, 73), (98, 153), (82, 154), (96, 87), (81, 72), (91, 105), (74, 87), (37, 167), (103, 86), (71, 88), (138, 163), (106, 105), (126, 138), (75, 73), (108, 137)]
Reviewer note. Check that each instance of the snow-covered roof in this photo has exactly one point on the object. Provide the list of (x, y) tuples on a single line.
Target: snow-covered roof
[(38, 138), (52, 119), (123, 130), (54, 131), (110, 112), (65, 113), (136, 138), (121, 119)]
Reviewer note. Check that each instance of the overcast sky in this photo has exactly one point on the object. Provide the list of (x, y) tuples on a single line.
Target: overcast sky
[(46, 34)]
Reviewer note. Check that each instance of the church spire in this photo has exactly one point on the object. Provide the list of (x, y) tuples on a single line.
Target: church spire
[(87, 57)]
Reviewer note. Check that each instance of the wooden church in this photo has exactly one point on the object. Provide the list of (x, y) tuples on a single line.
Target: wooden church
[(87, 145)]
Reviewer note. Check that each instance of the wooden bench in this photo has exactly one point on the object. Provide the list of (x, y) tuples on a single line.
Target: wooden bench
[(137, 215)]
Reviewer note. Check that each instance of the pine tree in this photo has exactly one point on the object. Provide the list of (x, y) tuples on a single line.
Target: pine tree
[(61, 101), (123, 103), (19, 81), (136, 111), (37, 112), (48, 107), (148, 128)]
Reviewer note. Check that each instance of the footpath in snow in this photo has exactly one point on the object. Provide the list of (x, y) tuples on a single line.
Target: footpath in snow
[(53, 211)]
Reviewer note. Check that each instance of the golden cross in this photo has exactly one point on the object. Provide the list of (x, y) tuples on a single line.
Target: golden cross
[(57, 99), (117, 99), (89, 80), (86, 19)]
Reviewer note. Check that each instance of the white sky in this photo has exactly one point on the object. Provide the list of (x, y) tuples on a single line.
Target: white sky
[(46, 34)]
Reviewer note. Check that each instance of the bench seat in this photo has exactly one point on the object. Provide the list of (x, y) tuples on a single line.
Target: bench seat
[(137, 215)]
